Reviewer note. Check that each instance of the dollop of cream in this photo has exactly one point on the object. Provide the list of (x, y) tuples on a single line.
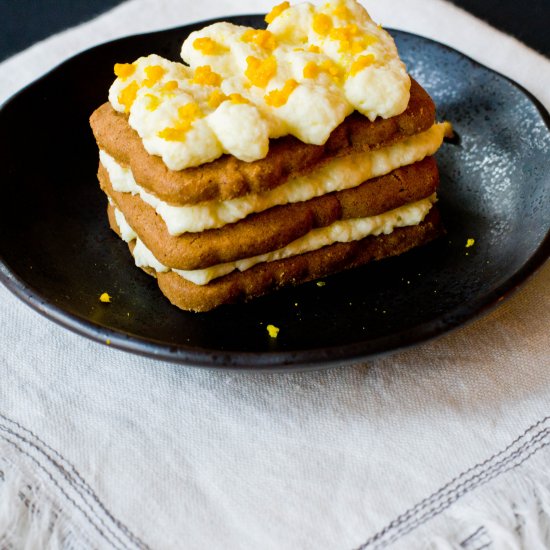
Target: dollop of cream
[(303, 75)]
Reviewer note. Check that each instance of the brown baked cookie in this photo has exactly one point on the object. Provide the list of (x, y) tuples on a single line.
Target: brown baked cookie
[(227, 177), (276, 227), (270, 276)]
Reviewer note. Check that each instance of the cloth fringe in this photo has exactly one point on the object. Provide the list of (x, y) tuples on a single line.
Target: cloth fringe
[(28, 519), (510, 513)]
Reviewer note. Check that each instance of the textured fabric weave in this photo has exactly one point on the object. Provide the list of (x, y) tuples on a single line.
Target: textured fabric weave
[(445, 443)]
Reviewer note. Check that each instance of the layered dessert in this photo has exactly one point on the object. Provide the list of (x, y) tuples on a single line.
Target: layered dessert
[(270, 157)]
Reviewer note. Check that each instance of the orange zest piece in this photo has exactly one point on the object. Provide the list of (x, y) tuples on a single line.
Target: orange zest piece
[(128, 96), (322, 24), (276, 11), (237, 98), (330, 67), (344, 35), (105, 298), (216, 98), (154, 102), (154, 73), (311, 70), (278, 98), (124, 70), (263, 39), (368, 39), (260, 71), (342, 12), (360, 63), (187, 114), (314, 49), (173, 134), (170, 86), (362, 42), (207, 46), (205, 75), (350, 39)]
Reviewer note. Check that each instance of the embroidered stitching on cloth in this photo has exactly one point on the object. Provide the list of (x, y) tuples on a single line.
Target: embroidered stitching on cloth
[(532, 440), (113, 529)]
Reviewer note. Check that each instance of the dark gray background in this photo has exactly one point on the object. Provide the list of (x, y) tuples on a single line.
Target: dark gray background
[(23, 22)]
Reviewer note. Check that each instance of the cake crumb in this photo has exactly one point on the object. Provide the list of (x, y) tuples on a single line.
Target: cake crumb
[(108, 342), (273, 331), (105, 298), (470, 242)]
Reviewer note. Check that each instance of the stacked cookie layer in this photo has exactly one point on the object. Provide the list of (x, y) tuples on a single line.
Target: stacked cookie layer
[(239, 226)]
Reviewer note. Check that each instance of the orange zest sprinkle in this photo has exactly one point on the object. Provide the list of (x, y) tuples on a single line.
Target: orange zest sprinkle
[(206, 76), (360, 63), (154, 102), (216, 98), (322, 24), (238, 98), (170, 86), (344, 35), (173, 134), (154, 73), (124, 70), (356, 47), (311, 70), (314, 49), (331, 68), (276, 11), (350, 39), (263, 39), (207, 46), (105, 298), (128, 95), (342, 12), (278, 98), (368, 39), (187, 114), (260, 71)]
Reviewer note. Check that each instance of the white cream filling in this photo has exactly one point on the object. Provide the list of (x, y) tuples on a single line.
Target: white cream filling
[(336, 175), (342, 231)]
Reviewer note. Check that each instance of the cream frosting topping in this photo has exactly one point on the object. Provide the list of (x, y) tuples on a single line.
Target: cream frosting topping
[(336, 175), (311, 68), (341, 231)]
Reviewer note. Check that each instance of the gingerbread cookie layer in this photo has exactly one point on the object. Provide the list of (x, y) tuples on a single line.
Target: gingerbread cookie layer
[(270, 276), (276, 227), (228, 177)]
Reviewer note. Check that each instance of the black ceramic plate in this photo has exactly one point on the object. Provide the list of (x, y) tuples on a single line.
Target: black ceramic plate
[(58, 255)]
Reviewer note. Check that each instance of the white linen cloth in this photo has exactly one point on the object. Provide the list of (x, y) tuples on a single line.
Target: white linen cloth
[(445, 445)]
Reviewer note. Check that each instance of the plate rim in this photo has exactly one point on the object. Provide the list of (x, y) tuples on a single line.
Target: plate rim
[(283, 360)]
